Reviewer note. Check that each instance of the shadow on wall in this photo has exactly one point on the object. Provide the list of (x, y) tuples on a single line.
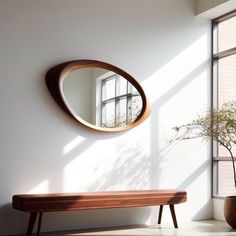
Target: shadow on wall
[(130, 169)]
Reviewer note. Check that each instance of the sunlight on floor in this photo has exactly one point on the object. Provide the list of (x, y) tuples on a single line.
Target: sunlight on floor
[(202, 228)]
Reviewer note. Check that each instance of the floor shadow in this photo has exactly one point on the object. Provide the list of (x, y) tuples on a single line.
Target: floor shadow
[(204, 228), (18, 219)]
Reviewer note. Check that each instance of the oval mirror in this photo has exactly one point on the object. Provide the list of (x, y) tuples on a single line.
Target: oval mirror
[(98, 95)]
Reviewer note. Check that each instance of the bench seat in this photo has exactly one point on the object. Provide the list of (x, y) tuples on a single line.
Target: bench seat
[(39, 203)]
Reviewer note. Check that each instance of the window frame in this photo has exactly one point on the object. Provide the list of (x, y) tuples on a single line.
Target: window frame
[(215, 57)]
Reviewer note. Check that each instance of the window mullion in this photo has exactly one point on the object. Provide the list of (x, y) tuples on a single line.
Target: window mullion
[(226, 53)]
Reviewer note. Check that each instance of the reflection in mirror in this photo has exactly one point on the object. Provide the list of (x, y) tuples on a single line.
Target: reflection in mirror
[(101, 97)]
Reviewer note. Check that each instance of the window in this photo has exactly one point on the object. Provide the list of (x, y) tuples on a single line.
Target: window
[(121, 103), (224, 89)]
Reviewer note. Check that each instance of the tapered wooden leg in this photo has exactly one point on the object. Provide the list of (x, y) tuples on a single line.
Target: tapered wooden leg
[(172, 210), (32, 219), (39, 223), (160, 214)]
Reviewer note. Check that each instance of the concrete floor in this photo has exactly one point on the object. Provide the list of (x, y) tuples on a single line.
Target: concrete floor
[(200, 228)]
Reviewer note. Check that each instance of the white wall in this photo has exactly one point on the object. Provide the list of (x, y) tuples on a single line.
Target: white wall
[(163, 46), (218, 209)]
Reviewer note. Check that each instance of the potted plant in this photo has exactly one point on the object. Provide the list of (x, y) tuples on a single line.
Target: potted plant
[(220, 125)]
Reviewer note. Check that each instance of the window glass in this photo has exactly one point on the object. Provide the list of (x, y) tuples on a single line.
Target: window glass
[(108, 88), (108, 115), (225, 178), (121, 86), (227, 88), (227, 79), (227, 34)]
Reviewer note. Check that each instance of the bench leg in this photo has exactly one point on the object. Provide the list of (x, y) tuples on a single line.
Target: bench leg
[(39, 223), (32, 219), (160, 214), (172, 210)]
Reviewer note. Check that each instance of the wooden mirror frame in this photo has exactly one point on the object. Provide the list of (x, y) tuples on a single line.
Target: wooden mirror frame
[(54, 81)]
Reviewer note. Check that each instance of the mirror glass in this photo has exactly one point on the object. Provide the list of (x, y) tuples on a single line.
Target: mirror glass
[(101, 97)]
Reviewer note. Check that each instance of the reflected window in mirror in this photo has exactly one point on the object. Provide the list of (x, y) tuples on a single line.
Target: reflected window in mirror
[(121, 103), (109, 100)]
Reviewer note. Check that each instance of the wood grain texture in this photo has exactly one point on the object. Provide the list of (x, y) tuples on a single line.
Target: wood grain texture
[(96, 200)]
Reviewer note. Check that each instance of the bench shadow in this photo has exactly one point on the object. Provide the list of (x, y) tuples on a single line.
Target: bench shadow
[(106, 231), (8, 213)]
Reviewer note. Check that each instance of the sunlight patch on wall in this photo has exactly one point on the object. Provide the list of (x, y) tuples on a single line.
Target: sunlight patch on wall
[(191, 104), (177, 68), (187, 167), (42, 187), (179, 91), (199, 192), (121, 163), (72, 144)]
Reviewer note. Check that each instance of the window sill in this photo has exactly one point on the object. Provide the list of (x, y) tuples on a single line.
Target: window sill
[(218, 197)]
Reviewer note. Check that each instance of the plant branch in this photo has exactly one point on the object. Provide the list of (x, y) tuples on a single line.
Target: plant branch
[(219, 124)]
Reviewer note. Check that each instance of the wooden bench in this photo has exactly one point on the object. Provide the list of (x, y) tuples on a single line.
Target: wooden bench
[(37, 204)]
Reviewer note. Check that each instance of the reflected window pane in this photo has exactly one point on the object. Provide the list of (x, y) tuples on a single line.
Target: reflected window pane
[(126, 102), (132, 89), (108, 88), (121, 112), (136, 107), (108, 115), (121, 86), (227, 34)]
